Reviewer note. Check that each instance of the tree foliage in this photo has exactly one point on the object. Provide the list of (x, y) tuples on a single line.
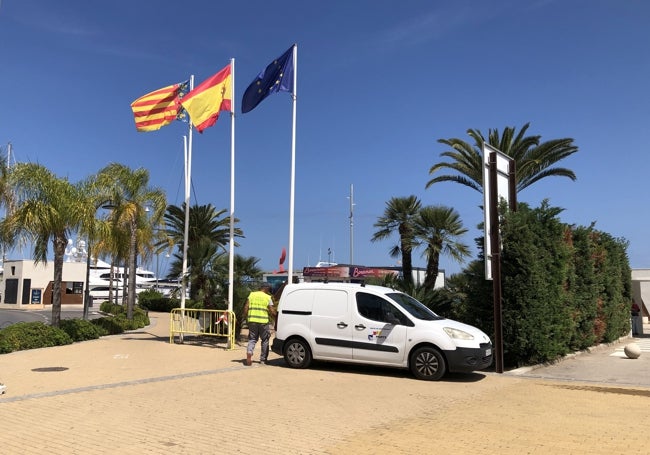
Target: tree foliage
[(438, 230), (208, 236), (564, 287), (137, 207), (399, 217), (48, 209), (534, 159)]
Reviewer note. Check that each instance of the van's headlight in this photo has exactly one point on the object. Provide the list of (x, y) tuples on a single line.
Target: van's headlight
[(458, 334)]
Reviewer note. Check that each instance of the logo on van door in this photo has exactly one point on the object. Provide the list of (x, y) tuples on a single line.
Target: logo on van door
[(376, 334)]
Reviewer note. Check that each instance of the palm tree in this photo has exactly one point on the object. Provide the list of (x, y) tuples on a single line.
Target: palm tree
[(534, 160), (246, 272), (399, 216), (208, 235), (6, 201), (438, 229), (96, 230), (131, 196), (48, 208)]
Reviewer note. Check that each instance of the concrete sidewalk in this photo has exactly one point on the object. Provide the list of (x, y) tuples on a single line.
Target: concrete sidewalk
[(136, 393)]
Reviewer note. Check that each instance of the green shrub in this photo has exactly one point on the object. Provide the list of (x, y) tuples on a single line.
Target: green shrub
[(140, 318), (147, 295), (159, 304), (31, 335), (80, 330), (166, 304), (118, 323), (109, 325), (111, 308)]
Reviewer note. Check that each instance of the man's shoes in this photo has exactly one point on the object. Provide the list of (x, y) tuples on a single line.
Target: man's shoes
[(264, 362), (249, 359)]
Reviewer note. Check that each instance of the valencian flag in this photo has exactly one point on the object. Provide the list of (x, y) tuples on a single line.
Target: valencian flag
[(276, 77), (210, 97), (159, 108)]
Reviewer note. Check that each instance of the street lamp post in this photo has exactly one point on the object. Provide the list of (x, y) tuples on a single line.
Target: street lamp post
[(157, 257), (87, 290)]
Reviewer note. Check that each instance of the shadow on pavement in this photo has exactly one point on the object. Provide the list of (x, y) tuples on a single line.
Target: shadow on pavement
[(372, 370)]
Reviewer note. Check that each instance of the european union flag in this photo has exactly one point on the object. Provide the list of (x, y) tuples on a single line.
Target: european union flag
[(276, 77)]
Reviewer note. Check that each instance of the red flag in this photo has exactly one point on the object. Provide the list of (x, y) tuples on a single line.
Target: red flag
[(210, 97), (158, 108)]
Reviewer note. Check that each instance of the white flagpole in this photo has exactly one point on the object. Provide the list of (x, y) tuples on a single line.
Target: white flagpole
[(293, 162), (231, 264), (188, 179)]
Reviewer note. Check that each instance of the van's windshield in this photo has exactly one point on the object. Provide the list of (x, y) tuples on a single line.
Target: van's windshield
[(413, 307)]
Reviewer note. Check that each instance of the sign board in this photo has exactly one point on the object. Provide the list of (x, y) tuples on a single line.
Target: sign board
[(36, 296), (503, 168)]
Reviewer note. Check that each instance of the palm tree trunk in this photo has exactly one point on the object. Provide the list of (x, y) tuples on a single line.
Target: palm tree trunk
[(433, 265), (133, 254), (59, 242), (111, 283), (125, 283), (407, 262)]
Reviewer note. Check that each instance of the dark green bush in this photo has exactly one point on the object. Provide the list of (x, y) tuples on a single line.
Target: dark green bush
[(109, 325), (111, 308), (140, 318), (80, 330), (564, 287), (118, 323), (166, 304), (148, 294), (31, 335)]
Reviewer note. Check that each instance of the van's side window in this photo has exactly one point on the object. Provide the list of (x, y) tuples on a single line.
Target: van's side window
[(374, 307)]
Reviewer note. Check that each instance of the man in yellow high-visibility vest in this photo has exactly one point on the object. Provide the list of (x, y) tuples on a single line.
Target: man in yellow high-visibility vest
[(257, 309)]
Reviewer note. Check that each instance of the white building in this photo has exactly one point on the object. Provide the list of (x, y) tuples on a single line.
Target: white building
[(27, 285), (641, 290)]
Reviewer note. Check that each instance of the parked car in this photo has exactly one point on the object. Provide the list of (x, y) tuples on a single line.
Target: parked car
[(348, 322)]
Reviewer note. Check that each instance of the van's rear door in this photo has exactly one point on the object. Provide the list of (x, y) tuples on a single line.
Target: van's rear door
[(330, 325)]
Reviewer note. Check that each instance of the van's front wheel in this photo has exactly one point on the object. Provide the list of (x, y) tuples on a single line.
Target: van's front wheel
[(428, 363), (297, 353)]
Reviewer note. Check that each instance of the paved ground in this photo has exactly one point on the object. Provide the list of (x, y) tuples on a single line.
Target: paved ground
[(136, 393)]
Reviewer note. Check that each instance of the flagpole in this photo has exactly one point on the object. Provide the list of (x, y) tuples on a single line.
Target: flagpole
[(293, 162), (188, 178), (231, 263)]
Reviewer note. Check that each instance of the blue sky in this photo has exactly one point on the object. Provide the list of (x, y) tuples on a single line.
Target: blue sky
[(379, 82)]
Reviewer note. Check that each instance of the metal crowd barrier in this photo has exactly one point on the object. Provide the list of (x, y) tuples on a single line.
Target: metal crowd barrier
[(218, 323)]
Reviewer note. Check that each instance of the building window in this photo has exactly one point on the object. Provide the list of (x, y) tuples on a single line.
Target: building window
[(74, 287)]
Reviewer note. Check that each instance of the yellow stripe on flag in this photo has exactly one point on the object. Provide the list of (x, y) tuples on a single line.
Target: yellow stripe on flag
[(212, 96)]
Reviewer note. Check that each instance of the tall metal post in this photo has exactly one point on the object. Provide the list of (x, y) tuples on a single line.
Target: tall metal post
[(87, 290), (495, 245), (351, 224)]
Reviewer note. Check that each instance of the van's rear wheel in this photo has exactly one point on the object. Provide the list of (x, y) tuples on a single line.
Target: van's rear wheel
[(428, 363), (297, 353)]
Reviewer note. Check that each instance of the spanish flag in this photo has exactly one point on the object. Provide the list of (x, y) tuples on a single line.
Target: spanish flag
[(158, 108), (210, 97)]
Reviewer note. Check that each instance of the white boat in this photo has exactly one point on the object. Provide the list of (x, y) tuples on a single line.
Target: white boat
[(100, 279), (102, 293), (102, 271)]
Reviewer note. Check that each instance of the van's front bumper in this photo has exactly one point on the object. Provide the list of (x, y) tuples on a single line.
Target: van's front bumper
[(277, 346), (465, 360)]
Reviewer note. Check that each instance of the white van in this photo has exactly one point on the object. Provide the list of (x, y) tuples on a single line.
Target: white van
[(348, 322)]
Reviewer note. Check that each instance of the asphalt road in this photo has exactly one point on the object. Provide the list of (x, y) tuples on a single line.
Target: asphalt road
[(8, 317)]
